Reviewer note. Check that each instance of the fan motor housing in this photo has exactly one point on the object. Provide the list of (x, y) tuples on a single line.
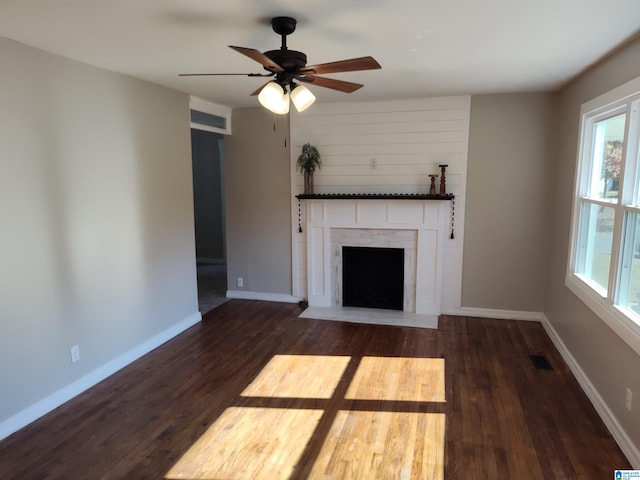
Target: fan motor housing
[(288, 59)]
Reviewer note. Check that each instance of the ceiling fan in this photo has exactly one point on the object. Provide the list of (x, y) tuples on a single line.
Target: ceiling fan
[(288, 66)]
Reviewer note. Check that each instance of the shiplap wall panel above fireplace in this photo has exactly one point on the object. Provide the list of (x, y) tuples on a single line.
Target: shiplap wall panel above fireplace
[(385, 147)]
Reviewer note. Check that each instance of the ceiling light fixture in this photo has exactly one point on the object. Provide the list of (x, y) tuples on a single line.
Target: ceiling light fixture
[(301, 97), (287, 65), (274, 97)]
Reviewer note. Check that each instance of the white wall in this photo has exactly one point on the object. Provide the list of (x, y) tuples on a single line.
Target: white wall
[(97, 242), (257, 199), (605, 364), (407, 140), (509, 189)]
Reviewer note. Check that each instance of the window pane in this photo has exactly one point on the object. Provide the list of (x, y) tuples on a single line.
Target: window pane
[(629, 294), (606, 160), (594, 243)]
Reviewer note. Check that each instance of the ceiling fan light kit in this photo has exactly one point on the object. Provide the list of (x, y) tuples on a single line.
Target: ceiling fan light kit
[(302, 97), (273, 97), (290, 65)]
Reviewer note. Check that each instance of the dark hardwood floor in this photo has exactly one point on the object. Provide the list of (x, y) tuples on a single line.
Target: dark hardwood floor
[(501, 417)]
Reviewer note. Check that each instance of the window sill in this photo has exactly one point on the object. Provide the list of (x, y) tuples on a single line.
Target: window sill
[(619, 319)]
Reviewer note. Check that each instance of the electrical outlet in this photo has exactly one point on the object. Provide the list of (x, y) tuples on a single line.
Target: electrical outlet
[(240, 282), (628, 400), (75, 354)]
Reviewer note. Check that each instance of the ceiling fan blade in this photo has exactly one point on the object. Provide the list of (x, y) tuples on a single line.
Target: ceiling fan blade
[(226, 74), (332, 83), (351, 65), (263, 60)]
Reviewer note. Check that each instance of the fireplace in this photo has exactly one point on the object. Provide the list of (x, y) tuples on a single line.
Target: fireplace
[(414, 228), (373, 277)]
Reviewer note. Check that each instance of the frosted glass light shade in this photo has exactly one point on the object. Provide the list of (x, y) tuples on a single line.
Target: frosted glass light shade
[(302, 98), (273, 97)]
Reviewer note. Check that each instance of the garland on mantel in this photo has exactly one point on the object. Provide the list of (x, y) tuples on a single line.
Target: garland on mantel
[(378, 196)]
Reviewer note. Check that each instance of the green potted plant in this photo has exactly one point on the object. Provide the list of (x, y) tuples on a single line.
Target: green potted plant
[(307, 163)]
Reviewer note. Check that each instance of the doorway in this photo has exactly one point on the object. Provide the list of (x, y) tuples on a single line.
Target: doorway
[(207, 153)]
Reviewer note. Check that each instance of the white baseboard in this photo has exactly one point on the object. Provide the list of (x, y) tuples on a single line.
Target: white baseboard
[(622, 439), (269, 297), (47, 404), (494, 313)]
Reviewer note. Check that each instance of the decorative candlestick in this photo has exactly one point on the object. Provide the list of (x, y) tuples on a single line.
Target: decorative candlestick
[(432, 187), (443, 180)]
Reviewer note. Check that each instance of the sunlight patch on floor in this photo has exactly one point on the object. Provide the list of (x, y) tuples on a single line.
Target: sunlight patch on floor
[(393, 378), (394, 445), (251, 443), (391, 436), (298, 376)]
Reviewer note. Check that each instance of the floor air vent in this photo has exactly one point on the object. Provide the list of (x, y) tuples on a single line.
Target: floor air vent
[(540, 362)]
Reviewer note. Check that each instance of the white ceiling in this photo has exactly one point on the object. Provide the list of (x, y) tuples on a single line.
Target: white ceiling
[(425, 47)]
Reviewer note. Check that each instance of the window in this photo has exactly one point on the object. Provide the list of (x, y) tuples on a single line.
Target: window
[(604, 263)]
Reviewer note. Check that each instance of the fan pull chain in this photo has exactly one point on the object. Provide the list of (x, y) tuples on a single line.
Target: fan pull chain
[(286, 128), (299, 218)]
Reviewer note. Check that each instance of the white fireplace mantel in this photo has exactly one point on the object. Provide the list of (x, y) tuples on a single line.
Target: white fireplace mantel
[(418, 226)]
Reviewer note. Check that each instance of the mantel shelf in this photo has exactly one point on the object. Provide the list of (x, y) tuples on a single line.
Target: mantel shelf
[(373, 196)]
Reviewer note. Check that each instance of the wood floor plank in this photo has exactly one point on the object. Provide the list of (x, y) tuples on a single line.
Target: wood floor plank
[(258, 389)]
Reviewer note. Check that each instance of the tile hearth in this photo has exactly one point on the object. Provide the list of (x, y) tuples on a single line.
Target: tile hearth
[(374, 316)]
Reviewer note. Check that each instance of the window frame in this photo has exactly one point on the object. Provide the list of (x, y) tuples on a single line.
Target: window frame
[(625, 98)]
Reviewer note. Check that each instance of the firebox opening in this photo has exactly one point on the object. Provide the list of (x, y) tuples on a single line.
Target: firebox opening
[(373, 277)]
